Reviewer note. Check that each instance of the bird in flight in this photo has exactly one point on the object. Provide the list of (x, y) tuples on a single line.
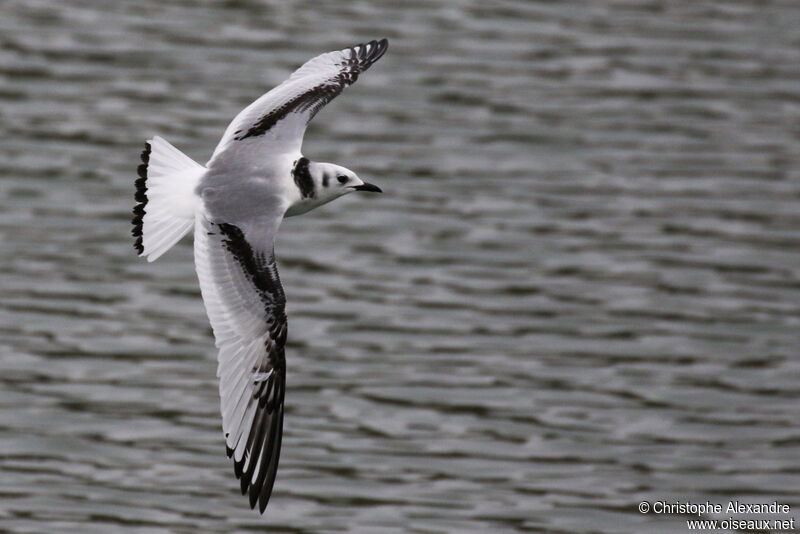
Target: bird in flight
[(256, 176)]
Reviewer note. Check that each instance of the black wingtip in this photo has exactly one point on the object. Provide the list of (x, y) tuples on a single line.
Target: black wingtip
[(253, 496), (263, 501), (368, 53), (238, 468), (378, 49), (381, 47)]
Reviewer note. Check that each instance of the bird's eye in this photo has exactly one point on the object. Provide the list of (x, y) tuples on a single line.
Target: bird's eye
[(342, 179)]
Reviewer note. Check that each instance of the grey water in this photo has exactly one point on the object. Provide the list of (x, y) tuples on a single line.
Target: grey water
[(579, 291)]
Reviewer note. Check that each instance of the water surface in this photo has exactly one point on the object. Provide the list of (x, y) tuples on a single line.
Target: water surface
[(580, 290)]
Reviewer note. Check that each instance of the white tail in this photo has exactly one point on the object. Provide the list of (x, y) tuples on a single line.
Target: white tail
[(165, 196)]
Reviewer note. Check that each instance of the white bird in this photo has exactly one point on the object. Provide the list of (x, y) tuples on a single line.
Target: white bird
[(256, 177)]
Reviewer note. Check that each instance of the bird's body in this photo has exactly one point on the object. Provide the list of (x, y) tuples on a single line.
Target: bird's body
[(256, 176)]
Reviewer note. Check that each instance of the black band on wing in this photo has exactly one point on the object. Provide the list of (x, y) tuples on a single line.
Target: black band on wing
[(263, 443), (320, 93), (259, 268), (362, 56)]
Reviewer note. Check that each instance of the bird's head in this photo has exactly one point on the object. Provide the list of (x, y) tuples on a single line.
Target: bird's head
[(335, 180), (319, 183)]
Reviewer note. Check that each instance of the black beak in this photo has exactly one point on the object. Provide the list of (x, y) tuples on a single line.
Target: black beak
[(368, 187)]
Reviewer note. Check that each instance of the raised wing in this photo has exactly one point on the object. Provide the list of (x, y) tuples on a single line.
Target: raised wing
[(245, 304), (276, 122)]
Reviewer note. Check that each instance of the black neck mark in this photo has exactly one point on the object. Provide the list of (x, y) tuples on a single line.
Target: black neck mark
[(302, 178)]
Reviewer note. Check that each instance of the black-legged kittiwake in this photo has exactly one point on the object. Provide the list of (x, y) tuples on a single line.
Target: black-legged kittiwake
[(236, 202)]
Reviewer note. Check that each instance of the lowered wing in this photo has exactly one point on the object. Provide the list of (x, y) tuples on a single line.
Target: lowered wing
[(245, 303)]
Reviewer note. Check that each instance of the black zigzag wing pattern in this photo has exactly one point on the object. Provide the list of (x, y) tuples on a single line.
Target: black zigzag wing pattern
[(257, 468), (357, 59)]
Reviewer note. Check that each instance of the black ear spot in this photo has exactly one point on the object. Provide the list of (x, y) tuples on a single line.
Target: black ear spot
[(342, 179)]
